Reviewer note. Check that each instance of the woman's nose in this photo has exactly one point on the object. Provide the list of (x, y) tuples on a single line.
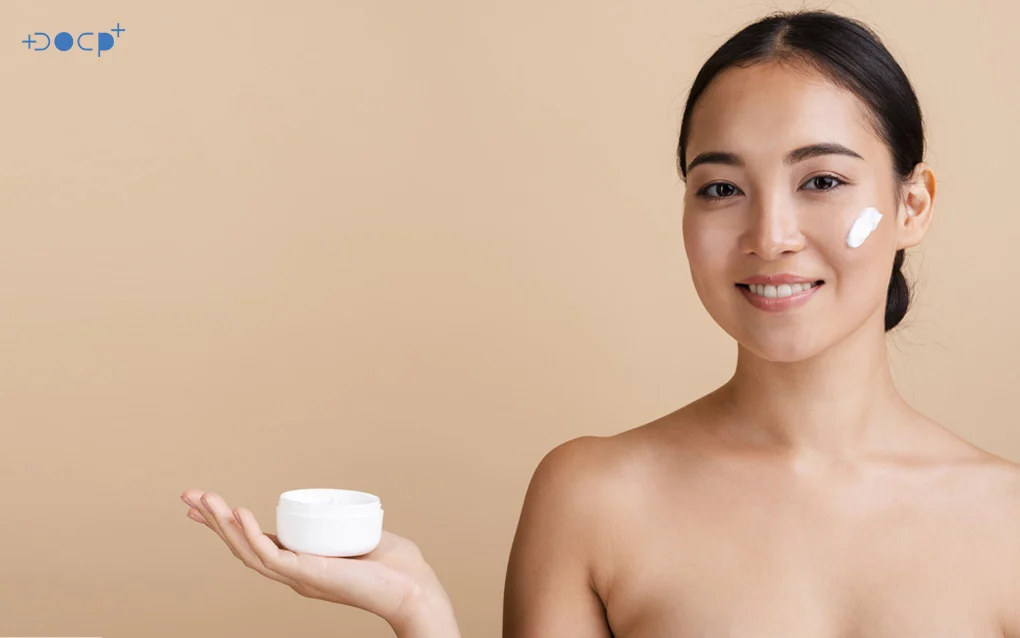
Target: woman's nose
[(772, 229)]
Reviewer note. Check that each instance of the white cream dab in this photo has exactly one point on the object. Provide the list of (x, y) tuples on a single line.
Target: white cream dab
[(866, 222)]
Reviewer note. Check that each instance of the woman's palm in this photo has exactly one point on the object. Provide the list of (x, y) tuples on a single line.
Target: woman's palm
[(383, 582)]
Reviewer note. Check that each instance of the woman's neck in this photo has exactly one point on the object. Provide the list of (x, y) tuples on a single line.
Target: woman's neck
[(842, 402)]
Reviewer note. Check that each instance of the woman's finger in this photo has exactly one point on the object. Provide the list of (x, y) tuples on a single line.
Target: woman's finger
[(232, 534), (268, 550), (191, 499), (194, 499), (272, 537), (202, 505), (200, 502), (200, 511)]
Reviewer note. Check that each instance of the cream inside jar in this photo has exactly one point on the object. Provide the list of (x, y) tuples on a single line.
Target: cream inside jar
[(329, 522)]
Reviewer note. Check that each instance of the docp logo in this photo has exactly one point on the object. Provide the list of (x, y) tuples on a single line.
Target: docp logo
[(64, 41)]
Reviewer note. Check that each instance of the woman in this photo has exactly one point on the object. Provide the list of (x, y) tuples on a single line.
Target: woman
[(802, 498)]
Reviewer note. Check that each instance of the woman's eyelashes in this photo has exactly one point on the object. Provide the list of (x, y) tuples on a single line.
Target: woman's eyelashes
[(725, 190), (703, 192), (834, 182)]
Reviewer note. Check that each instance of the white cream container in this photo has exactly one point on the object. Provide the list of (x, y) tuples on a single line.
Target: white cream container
[(329, 522)]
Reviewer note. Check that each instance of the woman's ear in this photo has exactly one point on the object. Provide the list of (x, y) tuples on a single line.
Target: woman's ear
[(916, 208)]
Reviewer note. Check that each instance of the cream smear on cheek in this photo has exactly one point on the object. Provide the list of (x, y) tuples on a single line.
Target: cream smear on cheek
[(863, 226)]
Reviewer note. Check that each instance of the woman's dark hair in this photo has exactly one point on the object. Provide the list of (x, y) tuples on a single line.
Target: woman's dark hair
[(853, 57)]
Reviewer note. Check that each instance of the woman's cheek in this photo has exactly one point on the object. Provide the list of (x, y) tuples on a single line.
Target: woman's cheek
[(864, 224), (709, 246), (859, 250)]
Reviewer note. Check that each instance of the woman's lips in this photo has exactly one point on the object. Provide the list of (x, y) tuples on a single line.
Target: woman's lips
[(778, 304)]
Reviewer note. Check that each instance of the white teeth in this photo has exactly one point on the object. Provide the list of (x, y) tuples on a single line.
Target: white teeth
[(780, 291)]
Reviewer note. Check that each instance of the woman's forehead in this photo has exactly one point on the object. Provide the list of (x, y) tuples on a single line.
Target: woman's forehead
[(771, 108)]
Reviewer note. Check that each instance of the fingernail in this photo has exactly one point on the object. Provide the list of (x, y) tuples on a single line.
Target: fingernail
[(194, 517), (187, 502)]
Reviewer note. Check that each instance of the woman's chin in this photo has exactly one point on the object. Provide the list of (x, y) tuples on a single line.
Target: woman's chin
[(784, 340), (780, 348)]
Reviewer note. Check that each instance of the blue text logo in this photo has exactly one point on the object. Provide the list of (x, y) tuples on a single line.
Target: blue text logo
[(64, 41)]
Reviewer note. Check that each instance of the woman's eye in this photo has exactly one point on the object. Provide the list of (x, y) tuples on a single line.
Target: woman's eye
[(721, 190), (824, 182)]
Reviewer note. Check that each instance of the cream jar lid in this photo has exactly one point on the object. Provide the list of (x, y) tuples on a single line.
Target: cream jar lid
[(328, 502)]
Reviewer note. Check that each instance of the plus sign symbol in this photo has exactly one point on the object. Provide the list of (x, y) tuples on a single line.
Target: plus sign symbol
[(64, 41)]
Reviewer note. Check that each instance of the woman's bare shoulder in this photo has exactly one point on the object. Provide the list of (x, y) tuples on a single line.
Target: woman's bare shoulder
[(588, 469), (999, 478), (971, 478), (584, 470), (977, 463)]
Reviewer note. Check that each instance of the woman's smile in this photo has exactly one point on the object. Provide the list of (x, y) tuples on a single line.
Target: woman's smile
[(778, 296)]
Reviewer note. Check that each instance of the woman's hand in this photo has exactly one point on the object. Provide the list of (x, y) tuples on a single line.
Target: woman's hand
[(393, 581)]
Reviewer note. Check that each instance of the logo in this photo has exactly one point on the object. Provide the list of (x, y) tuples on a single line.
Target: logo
[(64, 41)]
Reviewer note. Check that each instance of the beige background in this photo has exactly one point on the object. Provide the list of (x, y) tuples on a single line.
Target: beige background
[(406, 247)]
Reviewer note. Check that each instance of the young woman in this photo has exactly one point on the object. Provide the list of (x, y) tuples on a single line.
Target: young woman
[(804, 497)]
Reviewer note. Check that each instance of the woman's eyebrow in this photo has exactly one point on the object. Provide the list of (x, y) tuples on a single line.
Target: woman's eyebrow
[(794, 156)]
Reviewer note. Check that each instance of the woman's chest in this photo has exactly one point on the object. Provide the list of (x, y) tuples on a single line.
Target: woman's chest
[(795, 603), (787, 574)]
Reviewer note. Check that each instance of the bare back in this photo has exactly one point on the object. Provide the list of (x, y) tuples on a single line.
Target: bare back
[(665, 530)]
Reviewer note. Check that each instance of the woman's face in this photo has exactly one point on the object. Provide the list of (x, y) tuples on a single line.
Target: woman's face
[(751, 209)]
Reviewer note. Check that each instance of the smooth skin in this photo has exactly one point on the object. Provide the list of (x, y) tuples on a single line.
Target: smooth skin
[(804, 497)]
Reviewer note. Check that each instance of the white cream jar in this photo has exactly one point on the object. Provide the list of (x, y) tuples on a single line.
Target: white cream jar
[(329, 522)]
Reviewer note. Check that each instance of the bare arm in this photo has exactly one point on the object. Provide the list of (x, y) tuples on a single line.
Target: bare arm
[(550, 588)]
